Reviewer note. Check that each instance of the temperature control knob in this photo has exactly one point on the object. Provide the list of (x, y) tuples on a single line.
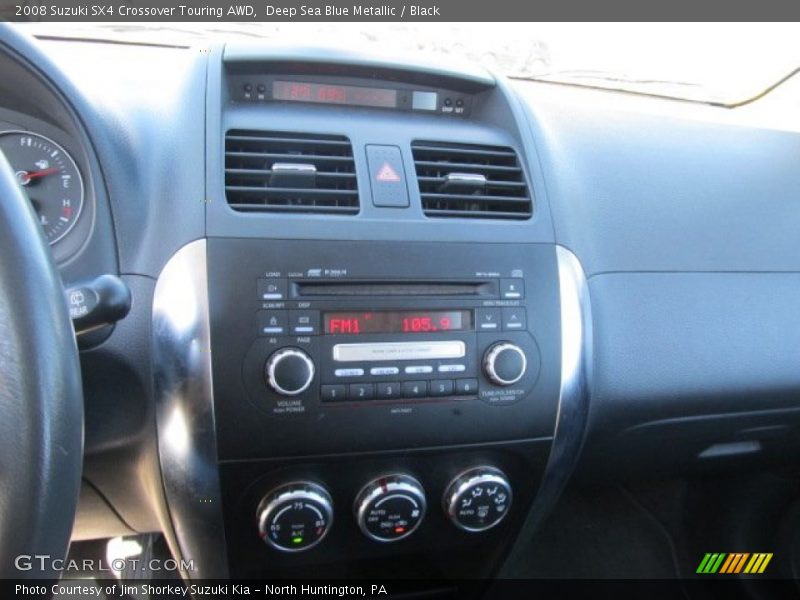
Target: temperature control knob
[(478, 499), (295, 517), (289, 371), (390, 508), (504, 363)]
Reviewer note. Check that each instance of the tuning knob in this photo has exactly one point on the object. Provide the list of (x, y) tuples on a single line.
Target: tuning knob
[(504, 363), (289, 371)]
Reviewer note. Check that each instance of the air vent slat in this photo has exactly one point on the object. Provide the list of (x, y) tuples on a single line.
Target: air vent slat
[(473, 214), (450, 166), (471, 181), (345, 210), (290, 155), (290, 173), (500, 154), (477, 198)]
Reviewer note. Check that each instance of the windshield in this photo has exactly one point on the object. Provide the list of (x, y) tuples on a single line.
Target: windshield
[(712, 62)]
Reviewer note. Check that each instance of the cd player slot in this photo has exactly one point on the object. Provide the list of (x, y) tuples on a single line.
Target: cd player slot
[(462, 289)]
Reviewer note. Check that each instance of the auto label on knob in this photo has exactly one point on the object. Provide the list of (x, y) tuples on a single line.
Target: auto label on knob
[(390, 508), (295, 516), (478, 499)]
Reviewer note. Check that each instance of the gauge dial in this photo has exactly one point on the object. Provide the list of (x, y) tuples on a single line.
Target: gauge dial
[(49, 177)]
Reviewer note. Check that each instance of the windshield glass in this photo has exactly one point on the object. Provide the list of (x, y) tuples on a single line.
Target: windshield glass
[(713, 62)]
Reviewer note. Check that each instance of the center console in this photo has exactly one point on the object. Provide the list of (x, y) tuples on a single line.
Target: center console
[(379, 397), (372, 364)]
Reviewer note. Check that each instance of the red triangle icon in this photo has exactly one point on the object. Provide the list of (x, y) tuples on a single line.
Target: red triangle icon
[(387, 173)]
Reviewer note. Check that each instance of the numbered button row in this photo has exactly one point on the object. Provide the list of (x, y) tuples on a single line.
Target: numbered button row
[(388, 390)]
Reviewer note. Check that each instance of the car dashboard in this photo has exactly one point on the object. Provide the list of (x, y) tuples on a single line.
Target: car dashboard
[(383, 312)]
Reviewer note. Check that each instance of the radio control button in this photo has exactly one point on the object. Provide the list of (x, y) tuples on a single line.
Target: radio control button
[(304, 322), (272, 289), (289, 371), (466, 387), (415, 389), (384, 371), (488, 319), (333, 393), (361, 391), (348, 372), (389, 389), (452, 368), (272, 322), (512, 289), (442, 387), (514, 318), (417, 369), (504, 363)]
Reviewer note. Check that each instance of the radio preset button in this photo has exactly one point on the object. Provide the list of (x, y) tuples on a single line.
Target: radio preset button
[(384, 371), (390, 389), (304, 322), (272, 322), (361, 391), (466, 387), (442, 387), (514, 318), (452, 368), (488, 319), (333, 393), (272, 289), (417, 369), (348, 372), (512, 289), (415, 389)]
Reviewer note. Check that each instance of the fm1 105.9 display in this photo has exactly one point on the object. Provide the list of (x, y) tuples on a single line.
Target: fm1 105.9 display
[(351, 323)]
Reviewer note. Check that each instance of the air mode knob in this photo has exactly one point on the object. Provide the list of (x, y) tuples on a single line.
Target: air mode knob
[(289, 371), (478, 499), (504, 363)]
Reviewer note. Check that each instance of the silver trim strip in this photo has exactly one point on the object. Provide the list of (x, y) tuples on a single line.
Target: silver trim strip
[(185, 413), (573, 403), (398, 351)]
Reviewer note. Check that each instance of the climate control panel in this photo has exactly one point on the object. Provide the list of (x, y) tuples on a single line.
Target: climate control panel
[(297, 516)]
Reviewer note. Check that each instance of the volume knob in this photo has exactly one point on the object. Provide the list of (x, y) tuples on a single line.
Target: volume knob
[(504, 363), (289, 371)]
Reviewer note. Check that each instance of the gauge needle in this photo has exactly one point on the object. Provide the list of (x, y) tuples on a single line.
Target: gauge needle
[(43, 172), (25, 177)]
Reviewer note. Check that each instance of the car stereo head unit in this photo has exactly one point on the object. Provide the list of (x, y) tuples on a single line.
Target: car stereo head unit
[(334, 331)]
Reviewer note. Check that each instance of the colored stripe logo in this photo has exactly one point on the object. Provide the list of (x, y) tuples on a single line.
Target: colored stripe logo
[(734, 562)]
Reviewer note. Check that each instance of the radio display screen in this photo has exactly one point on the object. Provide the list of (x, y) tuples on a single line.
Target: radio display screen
[(297, 91), (412, 321)]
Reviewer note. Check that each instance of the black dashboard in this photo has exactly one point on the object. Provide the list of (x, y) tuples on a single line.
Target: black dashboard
[(386, 311)]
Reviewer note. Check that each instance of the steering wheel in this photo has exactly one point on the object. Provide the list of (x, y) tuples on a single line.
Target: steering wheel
[(41, 401)]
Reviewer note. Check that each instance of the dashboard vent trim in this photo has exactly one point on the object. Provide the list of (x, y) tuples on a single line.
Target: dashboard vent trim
[(290, 173), (471, 181)]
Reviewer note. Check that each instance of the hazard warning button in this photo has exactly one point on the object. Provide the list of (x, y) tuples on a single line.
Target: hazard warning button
[(387, 177)]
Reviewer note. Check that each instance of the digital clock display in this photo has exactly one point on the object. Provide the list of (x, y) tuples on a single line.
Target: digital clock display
[(323, 93), (354, 323)]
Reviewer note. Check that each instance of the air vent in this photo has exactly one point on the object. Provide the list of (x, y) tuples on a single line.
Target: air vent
[(290, 172), (466, 181)]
